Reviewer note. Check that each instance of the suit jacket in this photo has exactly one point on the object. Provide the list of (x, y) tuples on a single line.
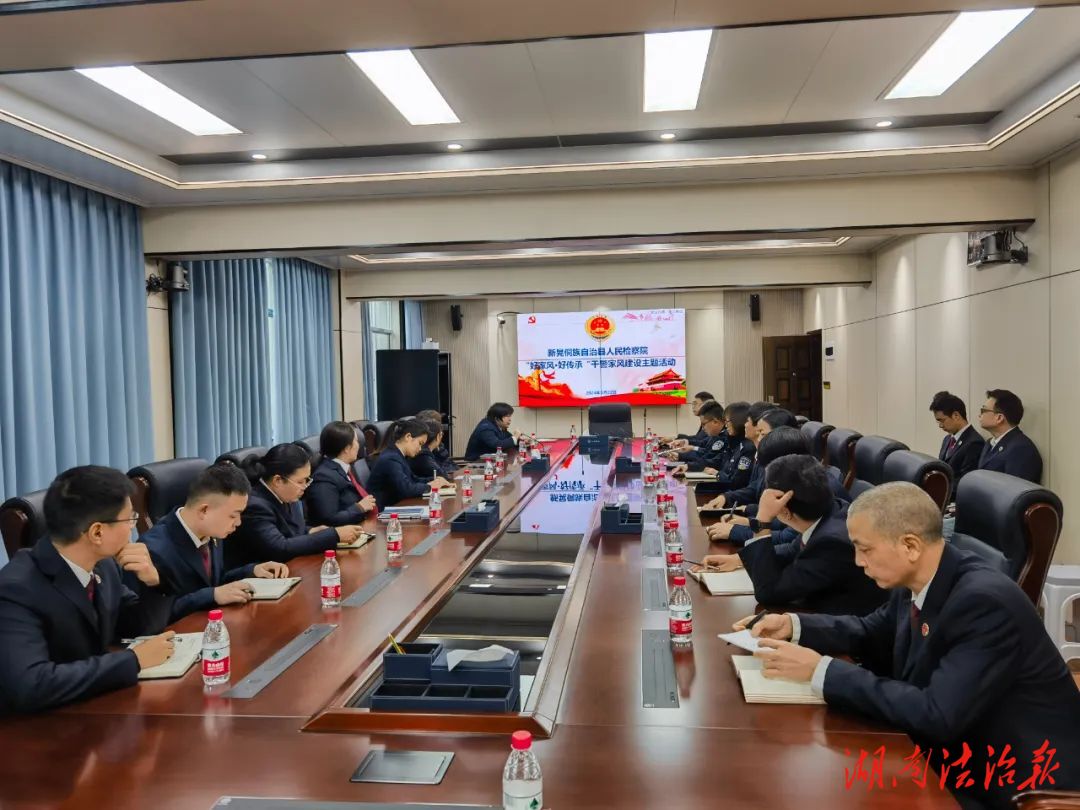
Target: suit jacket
[(821, 575), (392, 479), (979, 669), (741, 534), (181, 567), (487, 437), (331, 498), (1015, 454), (426, 464), (271, 531), (55, 640), (965, 456)]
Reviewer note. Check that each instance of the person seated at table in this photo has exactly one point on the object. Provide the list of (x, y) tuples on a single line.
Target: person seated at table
[(426, 463), (713, 452), (64, 601), (335, 496), (440, 451), (273, 525), (685, 440), (737, 457), (392, 479), (958, 658), (753, 417), (186, 545), (493, 432), (813, 566)]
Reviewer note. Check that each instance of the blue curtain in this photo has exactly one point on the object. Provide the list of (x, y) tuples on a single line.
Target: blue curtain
[(74, 363), (220, 358), (414, 324), (305, 349)]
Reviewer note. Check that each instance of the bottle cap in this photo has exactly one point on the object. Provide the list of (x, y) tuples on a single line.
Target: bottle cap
[(393, 515), (521, 740), (329, 553), (215, 615), (679, 580)]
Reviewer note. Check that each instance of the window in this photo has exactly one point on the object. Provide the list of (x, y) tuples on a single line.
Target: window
[(382, 330)]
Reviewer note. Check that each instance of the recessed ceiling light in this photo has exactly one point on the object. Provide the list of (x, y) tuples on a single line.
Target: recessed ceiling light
[(674, 65), (883, 124), (400, 78), (967, 40), (667, 136), (258, 156), (146, 91), (454, 147)]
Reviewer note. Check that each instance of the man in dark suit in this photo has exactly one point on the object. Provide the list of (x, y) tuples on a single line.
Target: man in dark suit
[(63, 602), (1009, 449), (963, 445), (958, 657), (812, 565), (185, 545)]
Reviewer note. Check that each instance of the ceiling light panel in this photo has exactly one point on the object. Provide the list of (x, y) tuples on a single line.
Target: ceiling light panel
[(674, 66), (150, 94), (969, 37), (400, 78)]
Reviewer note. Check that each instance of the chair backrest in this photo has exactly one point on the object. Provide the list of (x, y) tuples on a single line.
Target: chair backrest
[(870, 455), (818, 434), (1020, 519), (311, 447), (990, 555), (362, 471), (239, 455), (933, 476), (610, 419), (375, 432), (161, 486), (801, 420), (22, 521), (841, 453)]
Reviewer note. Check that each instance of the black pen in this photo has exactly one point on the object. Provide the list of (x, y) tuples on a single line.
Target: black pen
[(757, 618)]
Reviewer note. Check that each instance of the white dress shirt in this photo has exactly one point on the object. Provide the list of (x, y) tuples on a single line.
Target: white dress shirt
[(194, 537)]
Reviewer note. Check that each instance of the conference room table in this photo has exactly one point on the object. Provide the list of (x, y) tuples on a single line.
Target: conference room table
[(175, 744)]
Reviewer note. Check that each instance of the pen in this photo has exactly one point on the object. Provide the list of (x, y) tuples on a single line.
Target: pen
[(757, 618), (397, 647)]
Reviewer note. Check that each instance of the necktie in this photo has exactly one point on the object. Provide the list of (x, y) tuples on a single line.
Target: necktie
[(355, 483), (950, 448), (90, 590), (204, 552), (914, 619)]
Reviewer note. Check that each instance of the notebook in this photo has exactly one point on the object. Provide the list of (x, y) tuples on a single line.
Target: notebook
[(742, 639), (728, 583), (759, 689), (186, 652), (359, 542), (271, 588), (449, 491), (699, 476)]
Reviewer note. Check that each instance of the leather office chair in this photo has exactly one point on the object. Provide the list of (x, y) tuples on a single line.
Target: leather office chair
[(1020, 519), (870, 455), (376, 435), (928, 473), (238, 456), (841, 453), (610, 419), (360, 467), (22, 521), (1048, 800), (801, 420), (818, 434), (311, 445), (161, 486)]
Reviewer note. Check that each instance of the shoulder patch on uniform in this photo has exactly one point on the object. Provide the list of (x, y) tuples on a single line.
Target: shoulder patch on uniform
[(745, 462)]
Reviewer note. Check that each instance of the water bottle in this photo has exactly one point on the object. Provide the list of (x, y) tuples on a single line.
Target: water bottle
[(393, 538), (500, 460), (434, 506), (489, 474), (535, 447), (466, 487), (648, 494), (673, 547), (523, 785), (573, 433), (330, 579), (661, 503), (523, 447), (671, 512), (680, 613), (215, 651)]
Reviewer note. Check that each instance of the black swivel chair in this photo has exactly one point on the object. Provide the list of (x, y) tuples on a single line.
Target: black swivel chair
[(239, 455), (161, 486), (311, 445), (818, 434), (841, 454), (610, 419), (931, 475), (871, 452), (22, 521), (375, 433)]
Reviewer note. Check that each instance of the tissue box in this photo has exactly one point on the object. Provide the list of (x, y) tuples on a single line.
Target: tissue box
[(414, 665), (627, 465), (537, 465), (483, 517), (620, 520), (506, 672)]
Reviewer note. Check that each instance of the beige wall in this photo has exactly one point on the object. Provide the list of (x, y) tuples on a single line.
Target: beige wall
[(928, 322), (161, 402), (348, 354)]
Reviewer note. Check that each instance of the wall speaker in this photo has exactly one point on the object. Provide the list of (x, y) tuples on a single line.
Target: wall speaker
[(455, 317), (755, 307)]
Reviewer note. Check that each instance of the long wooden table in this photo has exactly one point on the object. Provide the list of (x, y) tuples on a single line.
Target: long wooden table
[(169, 744)]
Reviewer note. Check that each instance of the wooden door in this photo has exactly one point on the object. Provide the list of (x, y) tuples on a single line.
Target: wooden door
[(793, 373)]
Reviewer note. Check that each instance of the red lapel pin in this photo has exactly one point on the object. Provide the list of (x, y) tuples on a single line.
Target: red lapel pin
[(925, 629)]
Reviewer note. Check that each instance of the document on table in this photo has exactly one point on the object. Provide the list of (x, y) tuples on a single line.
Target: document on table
[(727, 583), (448, 492), (759, 689), (699, 476), (186, 649), (359, 542), (742, 639), (271, 588)]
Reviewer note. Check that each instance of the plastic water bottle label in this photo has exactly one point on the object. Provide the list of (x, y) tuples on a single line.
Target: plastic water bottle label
[(215, 662), (674, 556), (680, 621), (530, 801), (393, 545), (331, 591)]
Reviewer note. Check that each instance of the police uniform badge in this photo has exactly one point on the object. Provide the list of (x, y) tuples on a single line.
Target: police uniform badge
[(745, 462)]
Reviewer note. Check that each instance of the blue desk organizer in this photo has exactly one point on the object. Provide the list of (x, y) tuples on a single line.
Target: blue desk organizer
[(414, 665), (619, 520), (482, 517), (537, 465), (411, 696), (627, 465), (506, 672)]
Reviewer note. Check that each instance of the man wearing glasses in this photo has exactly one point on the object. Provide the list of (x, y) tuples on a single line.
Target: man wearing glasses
[(1009, 449), (63, 601)]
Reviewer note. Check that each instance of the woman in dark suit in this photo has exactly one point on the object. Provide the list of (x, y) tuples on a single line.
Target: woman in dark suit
[(492, 432), (335, 497), (427, 462), (273, 526), (392, 479)]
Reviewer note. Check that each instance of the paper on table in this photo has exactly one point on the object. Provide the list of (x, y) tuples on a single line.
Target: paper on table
[(725, 583), (742, 639), (759, 689), (362, 540), (483, 656), (186, 649), (449, 491), (270, 588), (699, 476)]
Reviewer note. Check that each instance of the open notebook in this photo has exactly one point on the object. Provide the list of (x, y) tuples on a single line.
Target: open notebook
[(448, 492), (699, 476), (728, 583), (271, 588), (759, 689), (359, 542), (186, 651)]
